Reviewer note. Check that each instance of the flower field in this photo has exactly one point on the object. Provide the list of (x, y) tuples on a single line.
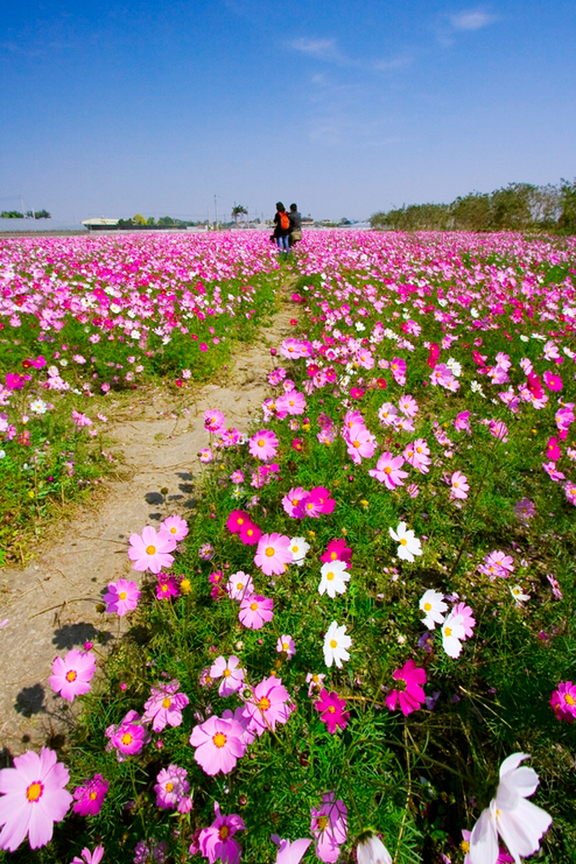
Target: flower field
[(361, 645), (84, 319)]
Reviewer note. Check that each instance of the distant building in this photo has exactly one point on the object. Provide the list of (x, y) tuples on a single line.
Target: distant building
[(99, 223)]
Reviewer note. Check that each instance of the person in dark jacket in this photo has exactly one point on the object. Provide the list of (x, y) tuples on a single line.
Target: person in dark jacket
[(295, 226), (282, 228)]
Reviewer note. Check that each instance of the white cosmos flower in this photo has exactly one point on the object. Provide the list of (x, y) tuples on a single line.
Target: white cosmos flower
[(452, 632), (409, 543), (432, 604), (520, 823), (335, 644), (518, 594), (371, 850), (334, 578), (299, 547)]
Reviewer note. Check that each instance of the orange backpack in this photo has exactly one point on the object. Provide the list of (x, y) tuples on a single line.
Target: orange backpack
[(284, 221)]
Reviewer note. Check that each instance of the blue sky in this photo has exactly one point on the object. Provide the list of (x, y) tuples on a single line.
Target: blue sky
[(347, 108)]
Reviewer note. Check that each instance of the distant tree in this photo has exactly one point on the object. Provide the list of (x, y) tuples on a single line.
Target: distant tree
[(510, 207), (166, 220), (42, 214), (11, 214), (472, 212), (567, 220), (138, 219), (150, 220), (238, 210), (125, 223)]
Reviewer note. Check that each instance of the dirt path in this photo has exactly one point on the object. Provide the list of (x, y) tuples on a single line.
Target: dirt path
[(51, 604)]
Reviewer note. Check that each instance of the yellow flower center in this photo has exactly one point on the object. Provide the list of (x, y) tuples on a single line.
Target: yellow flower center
[(331, 709), (285, 646), (173, 530), (34, 791), (322, 823), (164, 587), (465, 846), (427, 607), (455, 485), (169, 786), (224, 830), (264, 703), (330, 576), (269, 551), (356, 443), (333, 643), (126, 739), (239, 585), (219, 739), (333, 556), (150, 550), (261, 442), (448, 631), (295, 549), (71, 675), (250, 532), (227, 673), (403, 542), (93, 796), (388, 470), (569, 699), (240, 521), (254, 607), (166, 702), (122, 595)]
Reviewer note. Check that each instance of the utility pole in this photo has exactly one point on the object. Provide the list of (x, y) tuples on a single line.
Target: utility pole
[(215, 213)]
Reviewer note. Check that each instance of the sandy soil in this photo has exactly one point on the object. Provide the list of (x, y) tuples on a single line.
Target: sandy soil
[(51, 604)]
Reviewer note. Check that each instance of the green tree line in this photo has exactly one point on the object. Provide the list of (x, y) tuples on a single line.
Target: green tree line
[(516, 207), (30, 214)]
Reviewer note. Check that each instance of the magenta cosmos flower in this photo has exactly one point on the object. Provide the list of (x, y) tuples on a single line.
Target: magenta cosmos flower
[(263, 445), (268, 705), (121, 597), (218, 840), (33, 799), (319, 502), (273, 554), (563, 701), (293, 502), (255, 611), (409, 695), (151, 551), (337, 551), (89, 797), (72, 674), (332, 713), (236, 520), (387, 470), (128, 738), (219, 744), (165, 706), (173, 527)]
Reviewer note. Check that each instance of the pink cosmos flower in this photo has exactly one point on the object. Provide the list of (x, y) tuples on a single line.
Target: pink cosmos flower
[(268, 705), (329, 825), (459, 485), (388, 414), (121, 597), (174, 527), (410, 696), (240, 585), (71, 675), (205, 455), (361, 443), (408, 406), (417, 455), (214, 421), (33, 798), (218, 840), (332, 712), (398, 369), (388, 471), (337, 551), (219, 744), (293, 502), (128, 737), (255, 611), (524, 509), (563, 701), (273, 554), (553, 451), (231, 673), (314, 682), (497, 563), (89, 797), (150, 551), (286, 645), (468, 621), (290, 852), (263, 445), (165, 706), (570, 490), (553, 472), (88, 857), (292, 402), (171, 786)]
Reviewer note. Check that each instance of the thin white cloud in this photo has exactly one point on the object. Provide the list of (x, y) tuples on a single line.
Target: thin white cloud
[(472, 19), (393, 63), (321, 49)]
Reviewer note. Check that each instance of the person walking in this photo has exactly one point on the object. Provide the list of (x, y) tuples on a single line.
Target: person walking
[(295, 226), (282, 229)]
